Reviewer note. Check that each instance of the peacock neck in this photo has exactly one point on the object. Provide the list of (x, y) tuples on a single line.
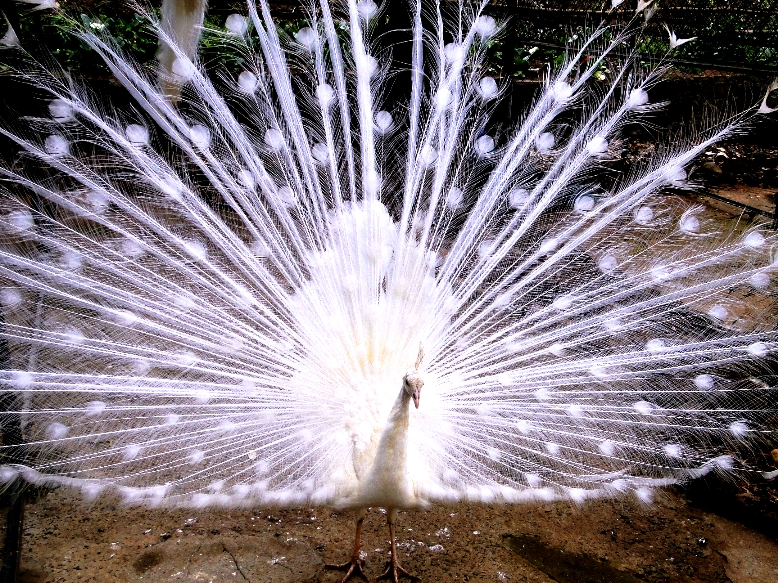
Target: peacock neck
[(393, 445), (387, 483), (399, 415)]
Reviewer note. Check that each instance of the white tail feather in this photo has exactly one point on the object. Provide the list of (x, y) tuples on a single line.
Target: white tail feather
[(182, 22), (230, 322)]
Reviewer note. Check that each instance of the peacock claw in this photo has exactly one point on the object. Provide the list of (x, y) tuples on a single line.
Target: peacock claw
[(353, 568), (394, 571)]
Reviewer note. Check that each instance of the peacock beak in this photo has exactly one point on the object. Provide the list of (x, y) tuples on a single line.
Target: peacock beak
[(416, 395)]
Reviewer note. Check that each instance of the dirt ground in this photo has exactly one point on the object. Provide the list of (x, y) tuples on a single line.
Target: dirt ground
[(610, 541)]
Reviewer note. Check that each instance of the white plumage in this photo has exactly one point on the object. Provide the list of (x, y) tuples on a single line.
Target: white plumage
[(223, 303), (181, 25)]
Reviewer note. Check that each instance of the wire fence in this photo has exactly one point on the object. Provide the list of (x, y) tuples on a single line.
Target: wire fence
[(733, 34)]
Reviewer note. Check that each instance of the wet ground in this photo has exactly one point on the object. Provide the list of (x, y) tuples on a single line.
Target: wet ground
[(611, 541)]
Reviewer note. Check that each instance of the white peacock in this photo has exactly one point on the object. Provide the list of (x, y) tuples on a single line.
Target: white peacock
[(219, 296)]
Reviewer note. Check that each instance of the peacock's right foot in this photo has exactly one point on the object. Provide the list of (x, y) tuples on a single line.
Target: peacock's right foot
[(353, 568), (394, 571)]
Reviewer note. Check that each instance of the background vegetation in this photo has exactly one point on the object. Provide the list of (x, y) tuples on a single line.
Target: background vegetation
[(735, 34)]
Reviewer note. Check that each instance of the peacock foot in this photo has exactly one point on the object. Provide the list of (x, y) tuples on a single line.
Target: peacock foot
[(394, 571), (353, 568)]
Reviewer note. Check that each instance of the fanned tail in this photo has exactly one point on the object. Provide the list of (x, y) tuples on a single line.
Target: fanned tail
[(215, 302)]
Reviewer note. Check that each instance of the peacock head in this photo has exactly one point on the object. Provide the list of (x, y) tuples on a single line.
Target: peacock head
[(412, 381)]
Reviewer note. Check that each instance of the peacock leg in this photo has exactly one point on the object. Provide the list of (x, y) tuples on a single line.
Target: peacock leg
[(354, 567), (393, 569)]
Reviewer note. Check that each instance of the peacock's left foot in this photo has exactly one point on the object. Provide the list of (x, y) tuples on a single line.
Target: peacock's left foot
[(394, 571)]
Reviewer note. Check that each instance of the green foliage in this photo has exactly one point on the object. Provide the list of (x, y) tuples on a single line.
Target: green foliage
[(55, 32), (220, 51), (719, 32)]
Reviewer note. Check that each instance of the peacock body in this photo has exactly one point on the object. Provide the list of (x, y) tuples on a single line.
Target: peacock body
[(220, 301)]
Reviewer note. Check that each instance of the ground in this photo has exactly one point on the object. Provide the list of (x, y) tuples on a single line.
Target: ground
[(610, 541)]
